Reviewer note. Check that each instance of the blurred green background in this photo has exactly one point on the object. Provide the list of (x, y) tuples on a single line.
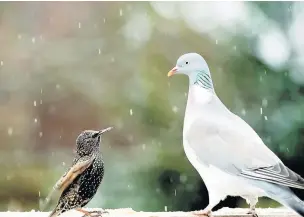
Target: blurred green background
[(70, 66)]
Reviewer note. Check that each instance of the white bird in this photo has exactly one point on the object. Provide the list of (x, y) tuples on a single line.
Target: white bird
[(227, 153)]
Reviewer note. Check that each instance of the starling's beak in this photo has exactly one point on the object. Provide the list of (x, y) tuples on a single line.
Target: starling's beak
[(172, 71), (105, 130)]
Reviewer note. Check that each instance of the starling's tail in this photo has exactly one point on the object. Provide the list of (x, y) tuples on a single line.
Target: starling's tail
[(52, 197), (54, 213), (58, 210)]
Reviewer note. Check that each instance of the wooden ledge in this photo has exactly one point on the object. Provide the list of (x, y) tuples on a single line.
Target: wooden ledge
[(128, 212)]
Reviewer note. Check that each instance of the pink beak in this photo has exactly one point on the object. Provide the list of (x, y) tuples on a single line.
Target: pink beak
[(172, 71)]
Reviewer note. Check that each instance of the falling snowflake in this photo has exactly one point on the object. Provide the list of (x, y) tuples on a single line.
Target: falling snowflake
[(265, 117), (120, 12), (261, 110), (10, 131), (175, 109), (143, 146), (99, 51), (264, 102), (243, 112), (33, 40), (79, 25), (40, 134), (35, 103), (35, 120), (131, 112), (183, 178), (1, 63)]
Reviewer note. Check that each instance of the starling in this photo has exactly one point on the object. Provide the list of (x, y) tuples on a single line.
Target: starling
[(80, 183)]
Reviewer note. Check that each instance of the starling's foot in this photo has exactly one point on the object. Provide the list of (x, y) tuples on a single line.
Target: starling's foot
[(89, 213), (253, 213), (202, 213), (98, 213)]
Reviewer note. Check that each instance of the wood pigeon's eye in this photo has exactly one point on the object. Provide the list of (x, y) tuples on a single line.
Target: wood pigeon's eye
[(187, 62)]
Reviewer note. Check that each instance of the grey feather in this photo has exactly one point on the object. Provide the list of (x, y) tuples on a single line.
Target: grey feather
[(238, 149)]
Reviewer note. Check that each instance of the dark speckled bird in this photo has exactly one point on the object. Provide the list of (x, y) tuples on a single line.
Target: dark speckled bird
[(80, 183)]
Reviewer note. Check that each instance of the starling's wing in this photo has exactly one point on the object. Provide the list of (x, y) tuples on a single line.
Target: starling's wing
[(78, 167), (81, 165)]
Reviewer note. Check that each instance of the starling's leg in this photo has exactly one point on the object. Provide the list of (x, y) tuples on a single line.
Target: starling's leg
[(98, 213), (89, 213), (86, 213)]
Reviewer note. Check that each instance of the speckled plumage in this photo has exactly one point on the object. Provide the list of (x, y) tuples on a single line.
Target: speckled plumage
[(80, 183)]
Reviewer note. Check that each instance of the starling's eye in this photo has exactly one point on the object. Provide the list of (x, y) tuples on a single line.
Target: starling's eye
[(95, 135), (187, 63)]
